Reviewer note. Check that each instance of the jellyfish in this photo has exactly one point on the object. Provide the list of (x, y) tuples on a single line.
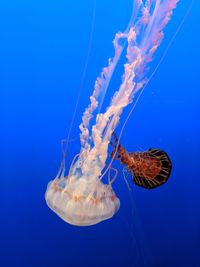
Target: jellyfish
[(80, 197), (149, 169)]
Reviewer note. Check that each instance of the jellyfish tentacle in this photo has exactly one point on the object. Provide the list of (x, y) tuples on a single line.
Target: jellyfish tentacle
[(115, 176), (83, 75), (126, 172), (73, 161)]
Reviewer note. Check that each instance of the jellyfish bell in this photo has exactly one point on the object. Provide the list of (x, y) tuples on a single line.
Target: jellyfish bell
[(82, 201), (149, 169), (75, 204)]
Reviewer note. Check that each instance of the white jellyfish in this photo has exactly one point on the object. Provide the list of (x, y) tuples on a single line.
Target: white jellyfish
[(81, 198)]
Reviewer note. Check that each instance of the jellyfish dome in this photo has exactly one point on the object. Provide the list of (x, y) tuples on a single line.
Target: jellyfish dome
[(81, 197), (78, 205)]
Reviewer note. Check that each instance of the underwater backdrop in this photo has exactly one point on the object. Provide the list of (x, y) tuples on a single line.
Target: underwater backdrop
[(45, 47)]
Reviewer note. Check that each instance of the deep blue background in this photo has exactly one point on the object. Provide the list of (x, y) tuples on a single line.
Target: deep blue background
[(43, 50)]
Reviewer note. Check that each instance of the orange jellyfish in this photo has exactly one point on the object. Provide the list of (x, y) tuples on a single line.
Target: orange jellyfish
[(149, 169)]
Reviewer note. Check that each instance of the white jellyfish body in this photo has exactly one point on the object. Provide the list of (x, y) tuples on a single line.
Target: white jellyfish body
[(76, 205), (81, 198)]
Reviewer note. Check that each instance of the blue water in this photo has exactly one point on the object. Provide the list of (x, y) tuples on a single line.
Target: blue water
[(43, 50)]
